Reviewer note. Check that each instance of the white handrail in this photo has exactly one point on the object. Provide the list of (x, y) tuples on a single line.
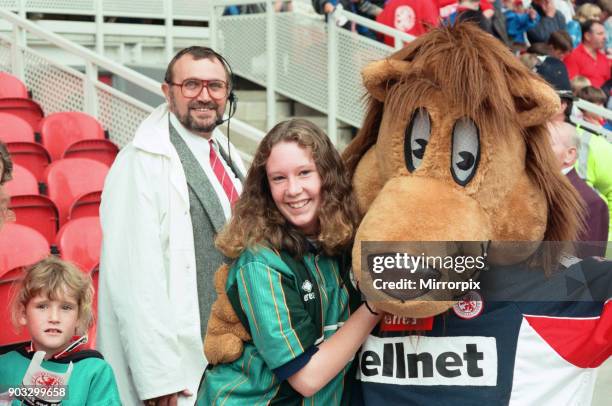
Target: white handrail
[(132, 76), (226, 3), (373, 25), (599, 110)]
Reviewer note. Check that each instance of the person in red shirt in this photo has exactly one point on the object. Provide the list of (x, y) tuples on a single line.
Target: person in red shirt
[(447, 7), (587, 59), (410, 16)]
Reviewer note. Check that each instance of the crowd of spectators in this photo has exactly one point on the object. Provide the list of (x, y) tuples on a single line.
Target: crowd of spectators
[(578, 33)]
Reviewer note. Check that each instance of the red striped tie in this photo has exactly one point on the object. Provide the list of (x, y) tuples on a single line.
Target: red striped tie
[(221, 174)]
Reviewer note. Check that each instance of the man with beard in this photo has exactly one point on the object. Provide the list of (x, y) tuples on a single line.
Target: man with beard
[(167, 195)]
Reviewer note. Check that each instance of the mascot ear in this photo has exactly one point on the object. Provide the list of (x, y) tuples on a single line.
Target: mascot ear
[(536, 103), (378, 76)]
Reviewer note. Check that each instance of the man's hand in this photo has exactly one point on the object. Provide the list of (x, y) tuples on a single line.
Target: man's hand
[(167, 400)]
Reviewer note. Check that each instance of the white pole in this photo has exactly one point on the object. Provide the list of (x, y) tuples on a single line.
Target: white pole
[(99, 26), (212, 27), (169, 30), (89, 89), (19, 42), (22, 13), (332, 68), (271, 66)]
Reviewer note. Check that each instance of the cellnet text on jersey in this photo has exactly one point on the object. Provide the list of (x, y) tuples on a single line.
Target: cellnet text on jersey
[(421, 360)]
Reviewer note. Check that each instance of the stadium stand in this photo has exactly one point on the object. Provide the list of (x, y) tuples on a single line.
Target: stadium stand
[(27, 109), (37, 212), (11, 86), (99, 150), (20, 246), (86, 206), (79, 241), (31, 155), (23, 182), (69, 179), (15, 129), (59, 131)]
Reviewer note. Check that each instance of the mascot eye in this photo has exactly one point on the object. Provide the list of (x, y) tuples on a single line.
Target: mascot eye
[(466, 151), (416, 138)]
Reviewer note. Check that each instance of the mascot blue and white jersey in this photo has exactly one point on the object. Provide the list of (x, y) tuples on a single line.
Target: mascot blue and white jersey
[(498, 353)]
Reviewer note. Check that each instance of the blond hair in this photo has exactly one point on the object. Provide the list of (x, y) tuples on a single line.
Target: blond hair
[(588, 11), (529, 60), (55, 278), (578, 83)]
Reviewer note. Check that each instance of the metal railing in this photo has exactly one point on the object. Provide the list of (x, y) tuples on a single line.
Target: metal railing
[(312, 61), (166, 10), (301, 56), (58, 87), (599, 110)]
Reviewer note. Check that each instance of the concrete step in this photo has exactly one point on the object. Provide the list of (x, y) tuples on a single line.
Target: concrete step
[(345, 133), (252, 110), (252, 105)]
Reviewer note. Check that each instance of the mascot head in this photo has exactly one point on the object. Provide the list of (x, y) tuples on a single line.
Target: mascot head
[(454, 148)]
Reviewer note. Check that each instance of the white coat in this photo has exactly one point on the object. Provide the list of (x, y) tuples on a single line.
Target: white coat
[(148, 314)]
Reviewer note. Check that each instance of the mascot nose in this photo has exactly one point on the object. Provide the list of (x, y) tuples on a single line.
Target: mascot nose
[(418, 217), (412, 208)]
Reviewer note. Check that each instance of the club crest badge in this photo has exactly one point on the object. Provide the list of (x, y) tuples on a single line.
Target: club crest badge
[(469, 306), (307, 287)]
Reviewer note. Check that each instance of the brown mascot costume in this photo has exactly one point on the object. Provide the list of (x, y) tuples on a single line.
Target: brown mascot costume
[(454, 150)]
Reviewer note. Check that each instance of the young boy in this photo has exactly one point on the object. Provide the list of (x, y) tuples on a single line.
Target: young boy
[(54, 303), (519, 20), (596, 96)]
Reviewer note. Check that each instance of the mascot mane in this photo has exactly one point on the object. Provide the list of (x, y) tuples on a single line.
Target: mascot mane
[(498, 93)]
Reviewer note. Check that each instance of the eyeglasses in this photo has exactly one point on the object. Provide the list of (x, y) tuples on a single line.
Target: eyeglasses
[(191, 88)]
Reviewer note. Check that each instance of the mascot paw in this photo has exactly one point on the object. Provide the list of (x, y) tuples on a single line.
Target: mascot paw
[(224, 334), (222, 349)]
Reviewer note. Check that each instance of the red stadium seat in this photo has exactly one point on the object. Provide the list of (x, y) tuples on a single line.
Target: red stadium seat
[(37, 212), (12, 86), (15, 129), (26, 109), (100, 150), (69, 179), (79, 241), (60, 130), (23, 182), (20, 246), (32, 156), (87, 205)]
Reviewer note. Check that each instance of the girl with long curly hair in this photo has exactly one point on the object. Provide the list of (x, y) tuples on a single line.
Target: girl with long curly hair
[(288, 284)]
